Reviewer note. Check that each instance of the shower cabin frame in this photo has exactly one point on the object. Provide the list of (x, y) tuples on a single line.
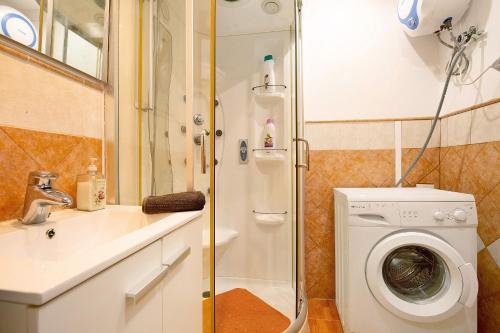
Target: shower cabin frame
[(300, 157)]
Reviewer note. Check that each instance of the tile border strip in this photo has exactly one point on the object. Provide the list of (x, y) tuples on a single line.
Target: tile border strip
[(2, 126), (471, 108), (51, 65)]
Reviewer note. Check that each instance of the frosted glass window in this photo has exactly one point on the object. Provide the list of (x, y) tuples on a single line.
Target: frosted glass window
[(82, 55)]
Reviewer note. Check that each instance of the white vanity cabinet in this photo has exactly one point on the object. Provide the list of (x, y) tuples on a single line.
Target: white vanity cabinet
[(182, 287), (157, 289), (100, 304)]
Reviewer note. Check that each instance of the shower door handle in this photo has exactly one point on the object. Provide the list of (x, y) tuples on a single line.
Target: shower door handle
[(307, 164), (203, 156)]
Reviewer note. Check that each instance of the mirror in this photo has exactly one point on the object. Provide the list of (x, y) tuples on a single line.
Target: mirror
[(72, 32)]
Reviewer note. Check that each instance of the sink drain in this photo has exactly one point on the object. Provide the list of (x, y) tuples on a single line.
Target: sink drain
[(50, 233)]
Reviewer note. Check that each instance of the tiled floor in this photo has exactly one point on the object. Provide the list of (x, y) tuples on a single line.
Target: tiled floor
[(323, 317)]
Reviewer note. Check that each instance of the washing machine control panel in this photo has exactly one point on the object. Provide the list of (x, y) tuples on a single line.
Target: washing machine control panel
[(374, 213), (438, 213)]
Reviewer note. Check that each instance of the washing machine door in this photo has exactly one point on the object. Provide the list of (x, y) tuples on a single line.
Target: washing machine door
[(420, 277)]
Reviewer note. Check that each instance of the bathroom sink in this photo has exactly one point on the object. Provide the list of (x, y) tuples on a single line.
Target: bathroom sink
[(41, 261), (74, 233)]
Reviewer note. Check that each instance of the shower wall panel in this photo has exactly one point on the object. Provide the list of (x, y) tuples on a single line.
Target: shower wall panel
[(260, 251)]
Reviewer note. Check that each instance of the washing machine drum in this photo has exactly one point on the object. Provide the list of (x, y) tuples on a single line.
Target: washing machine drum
[(419, 277), (415, 273)]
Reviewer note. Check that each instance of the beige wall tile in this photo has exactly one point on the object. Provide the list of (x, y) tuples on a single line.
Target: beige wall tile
[(480, 244), (459, 129), (415, 132), (486, 124), (350, 136), (494, 250), (444, 132), (36, 98)]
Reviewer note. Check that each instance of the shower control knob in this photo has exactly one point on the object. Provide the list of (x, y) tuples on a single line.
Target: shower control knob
[(198, 119), (439, 216), (459, 215)]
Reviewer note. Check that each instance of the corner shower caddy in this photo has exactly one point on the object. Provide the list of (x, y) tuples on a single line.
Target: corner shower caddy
[(270, 154), (275, 156), (263, 96), (270, 218)]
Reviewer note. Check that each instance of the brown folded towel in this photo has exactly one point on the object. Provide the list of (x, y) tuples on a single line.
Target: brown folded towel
[(177, 202)]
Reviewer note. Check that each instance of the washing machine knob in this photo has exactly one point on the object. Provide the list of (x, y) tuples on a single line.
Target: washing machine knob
[(460, 215), (439, 216)]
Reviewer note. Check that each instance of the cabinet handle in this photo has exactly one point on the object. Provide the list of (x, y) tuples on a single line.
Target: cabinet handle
[(153, 278), (142, 288), (177, 256)]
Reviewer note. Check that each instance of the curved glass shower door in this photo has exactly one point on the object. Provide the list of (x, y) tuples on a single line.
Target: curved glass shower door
[(258, 185), (164, 110), (152, 149)]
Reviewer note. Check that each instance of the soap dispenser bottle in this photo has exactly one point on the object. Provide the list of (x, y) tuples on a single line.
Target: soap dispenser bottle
[(91, 189)]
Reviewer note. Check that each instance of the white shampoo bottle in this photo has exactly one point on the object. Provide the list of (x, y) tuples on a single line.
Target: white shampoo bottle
[(269, 75)]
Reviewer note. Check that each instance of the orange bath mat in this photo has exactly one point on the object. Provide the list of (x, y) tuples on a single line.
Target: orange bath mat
[(239, 310)]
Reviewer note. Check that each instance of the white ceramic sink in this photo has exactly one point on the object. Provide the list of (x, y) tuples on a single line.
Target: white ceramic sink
[(36, 268), (75, 233)]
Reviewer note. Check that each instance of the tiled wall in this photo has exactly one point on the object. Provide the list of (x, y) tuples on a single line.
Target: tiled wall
[(331, 169), (366, 160), (470, 163), (464, 156), (48, 120), (475, 168), (22, 151)]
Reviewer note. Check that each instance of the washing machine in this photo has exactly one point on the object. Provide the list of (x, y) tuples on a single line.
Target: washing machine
[(406, 260)]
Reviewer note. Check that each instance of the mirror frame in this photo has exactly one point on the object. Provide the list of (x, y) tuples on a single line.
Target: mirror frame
[(45, 27)]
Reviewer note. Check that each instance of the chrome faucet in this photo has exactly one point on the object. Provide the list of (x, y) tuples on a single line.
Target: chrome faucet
[(40, 196)]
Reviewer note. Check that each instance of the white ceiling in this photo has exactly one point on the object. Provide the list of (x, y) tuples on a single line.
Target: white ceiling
[(247, 16)]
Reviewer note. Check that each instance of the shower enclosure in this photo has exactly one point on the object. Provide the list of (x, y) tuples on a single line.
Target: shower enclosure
[(192, 106), (258, 190)]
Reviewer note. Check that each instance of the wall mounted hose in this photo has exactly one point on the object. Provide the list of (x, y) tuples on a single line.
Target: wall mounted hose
[(456, 58)]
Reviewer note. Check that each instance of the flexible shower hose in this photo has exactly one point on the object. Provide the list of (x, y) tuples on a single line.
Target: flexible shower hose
[(454, 62)]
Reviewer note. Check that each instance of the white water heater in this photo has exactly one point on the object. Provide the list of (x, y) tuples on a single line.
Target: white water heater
[(17, 26), (424, 17)]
